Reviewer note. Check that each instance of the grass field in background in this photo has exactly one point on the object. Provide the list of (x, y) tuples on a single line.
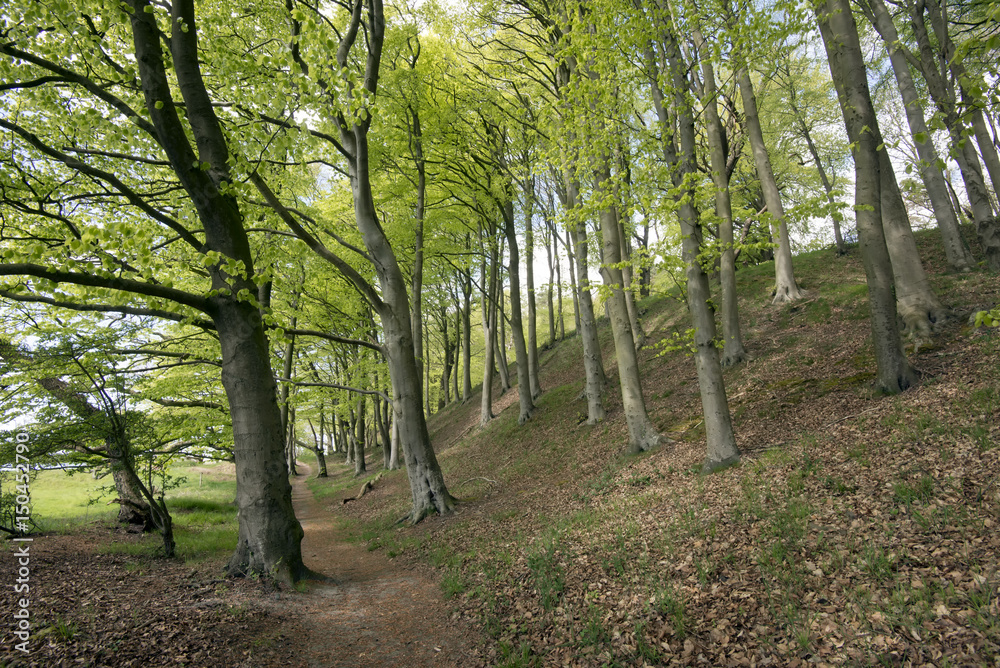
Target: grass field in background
[(200, 498)]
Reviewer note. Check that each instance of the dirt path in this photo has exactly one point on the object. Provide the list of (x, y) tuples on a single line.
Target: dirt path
[(375, 613)]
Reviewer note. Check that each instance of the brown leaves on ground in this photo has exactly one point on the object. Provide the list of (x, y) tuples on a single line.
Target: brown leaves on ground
[(93, 609), (859, 530)]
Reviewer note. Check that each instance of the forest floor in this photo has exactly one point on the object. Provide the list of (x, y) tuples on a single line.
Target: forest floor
[(858, 529)]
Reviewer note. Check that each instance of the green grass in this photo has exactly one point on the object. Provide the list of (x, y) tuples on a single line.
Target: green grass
[(60, 499)]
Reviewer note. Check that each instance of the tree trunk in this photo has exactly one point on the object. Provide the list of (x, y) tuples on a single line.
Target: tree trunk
[(503, 367), (489, 311), (917, 305), (623, 193), (466, 338), (642, 435), (427, 368), (351, 436), (836, 23), (133, 508), (593, 364), (549, 240), (575, 290), (458, 343), (733, 351), (525, 403), (417, 284), (934, 67), (638, 335), (721, 447), (394, 445), (786, 289), (287, 368), (320, 448), (956, 252), (529, 270), (290, 444), (269, 535), (444, 397)]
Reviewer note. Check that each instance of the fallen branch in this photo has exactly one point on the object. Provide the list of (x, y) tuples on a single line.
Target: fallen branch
[(365, 488)]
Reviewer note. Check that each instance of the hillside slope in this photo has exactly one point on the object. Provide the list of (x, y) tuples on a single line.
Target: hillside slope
[(858, 530)]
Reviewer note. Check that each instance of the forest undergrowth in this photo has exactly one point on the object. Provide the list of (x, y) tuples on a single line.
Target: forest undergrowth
[(858, 529)]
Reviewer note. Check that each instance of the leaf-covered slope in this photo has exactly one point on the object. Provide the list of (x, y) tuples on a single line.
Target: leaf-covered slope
[(858, 528)]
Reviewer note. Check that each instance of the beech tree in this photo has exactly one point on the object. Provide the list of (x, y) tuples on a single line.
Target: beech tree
[(121, 182), (847, 68), (958, 255), (786, 289), (343, 92)]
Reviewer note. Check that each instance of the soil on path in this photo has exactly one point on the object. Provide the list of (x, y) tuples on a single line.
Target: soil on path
[(373, 612)]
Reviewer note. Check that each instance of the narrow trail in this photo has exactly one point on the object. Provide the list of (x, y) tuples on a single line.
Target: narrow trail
[(374, 613)]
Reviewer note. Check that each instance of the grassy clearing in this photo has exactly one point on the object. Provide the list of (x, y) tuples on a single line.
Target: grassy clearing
[(61, 500), (202, 504)]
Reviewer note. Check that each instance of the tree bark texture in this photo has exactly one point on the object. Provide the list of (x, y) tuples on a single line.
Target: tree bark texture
[(593, 364), (840, 36), (525, 403), (642, 435), (269, 535), (956, 252), (529, 270), (721, 450), (733, 351)]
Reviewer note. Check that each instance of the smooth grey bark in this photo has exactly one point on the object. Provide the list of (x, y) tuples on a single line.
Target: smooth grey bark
[(721, 450), (956, 252), (269, 534), (382, 423), (838, 234), (986, 147), (466, 281), (320, 449), (642, 435), (417, 278), (503, 367), (916, 304), (489, 312), (351, 435), (573, 285), (529, 274), (458, 343), (288, 364), (623, 191), (847, 68), (290, 450), (525, 404), (394, 441), (733, 351), (785, 288), (593, 364), (427, 369), (360, 465), (391, 301), (444, 396), (559, 291), (638, 335), (934, 65), (549, 240)]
